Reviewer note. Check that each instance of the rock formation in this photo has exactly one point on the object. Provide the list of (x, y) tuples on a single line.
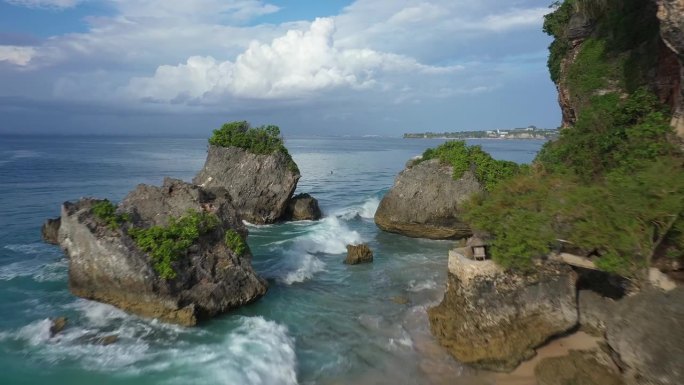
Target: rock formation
[(594, 311), (302, 207), (577, 368), (357, 254), (260, 185), (493, 319), (57, 325), (50, 231), (671, 16), (107, 265), (425, 202), (647, 334)]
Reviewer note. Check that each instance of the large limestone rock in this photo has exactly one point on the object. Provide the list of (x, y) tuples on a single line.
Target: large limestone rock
[(106, 265), (302, 207), (594, 311), (357, 254), (260, 185), (646, 331), (425, 202), (493, 319)]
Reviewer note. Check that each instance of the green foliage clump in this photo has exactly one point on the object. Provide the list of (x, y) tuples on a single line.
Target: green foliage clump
[(105, 211), (462, 158), (235, 242), (257, 140), (167, 244), (611, 133), (555, 24)]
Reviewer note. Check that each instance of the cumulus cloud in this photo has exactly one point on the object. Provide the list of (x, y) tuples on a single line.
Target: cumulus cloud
[(294, 65), (16, 55), (45, 4)]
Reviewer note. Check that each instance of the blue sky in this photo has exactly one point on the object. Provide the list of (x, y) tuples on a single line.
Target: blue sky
[(334, 67)]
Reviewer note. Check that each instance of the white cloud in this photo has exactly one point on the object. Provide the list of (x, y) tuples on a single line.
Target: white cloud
[(19, 56), (294, 65), (46, 4)]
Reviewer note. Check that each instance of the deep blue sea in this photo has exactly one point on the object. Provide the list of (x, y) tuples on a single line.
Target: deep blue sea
[(322, 322)]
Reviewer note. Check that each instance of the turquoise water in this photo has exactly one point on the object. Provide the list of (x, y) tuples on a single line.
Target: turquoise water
[(322, 322)]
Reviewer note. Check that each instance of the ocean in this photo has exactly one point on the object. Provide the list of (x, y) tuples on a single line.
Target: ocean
[(322, 322)]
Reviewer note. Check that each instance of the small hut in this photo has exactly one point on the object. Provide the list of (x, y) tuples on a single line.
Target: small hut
[(478, 247)]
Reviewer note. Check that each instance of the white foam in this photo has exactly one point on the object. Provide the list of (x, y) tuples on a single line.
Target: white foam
[(365, 210), (300, 260), (35, 268), (416, 286)]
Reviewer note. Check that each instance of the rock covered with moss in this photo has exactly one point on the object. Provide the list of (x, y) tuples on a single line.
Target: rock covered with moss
[(253, 165), (493, 319), (162, 253)]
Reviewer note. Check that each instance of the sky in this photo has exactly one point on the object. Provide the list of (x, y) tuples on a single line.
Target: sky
[(314, 67)]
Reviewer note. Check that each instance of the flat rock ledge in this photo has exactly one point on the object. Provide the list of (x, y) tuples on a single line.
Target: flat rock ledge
[(493, 319)]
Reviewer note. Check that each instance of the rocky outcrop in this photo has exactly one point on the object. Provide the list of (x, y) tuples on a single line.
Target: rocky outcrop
[(106, 264), (357, 254), (577, 368), (57, 325), (671, 16), (50, 231), (493, 319), (594, 311), (302, 207), (425, 202), (646, 332), (260, 185)]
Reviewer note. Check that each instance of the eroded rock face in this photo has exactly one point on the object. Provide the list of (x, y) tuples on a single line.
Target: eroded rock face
[(493, 319), (647, 333), (302, 207), (50, 231), (425, 202), (594, 311), (260, 185), (106, 265), (671, 16)]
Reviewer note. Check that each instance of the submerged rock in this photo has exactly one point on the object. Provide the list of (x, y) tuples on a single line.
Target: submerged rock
[(260, 185), (302, 207), (50, 231), (107, 265), (493, 319), (357, 254), (425, 202), (646, 331), (57, 325), (577, 368)]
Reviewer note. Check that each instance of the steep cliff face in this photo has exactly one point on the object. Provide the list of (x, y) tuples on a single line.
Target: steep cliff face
[(108, 264), (493, 319), (671, 16), (260, 184), (425, 202), (649, 54)]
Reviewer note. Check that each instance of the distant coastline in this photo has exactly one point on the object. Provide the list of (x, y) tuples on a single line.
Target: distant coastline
[(531, 133)]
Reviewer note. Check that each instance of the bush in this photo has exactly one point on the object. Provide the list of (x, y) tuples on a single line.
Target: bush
[(235, 242), (105, 211), (167, 244), (262, 140), (462, 158)]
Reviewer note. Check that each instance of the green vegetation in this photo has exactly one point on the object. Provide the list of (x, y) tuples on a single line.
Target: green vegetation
[(462, 158), (257, 140), (555, 24), (613, 184), (105, 211), (167, 244), (235, 242)]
